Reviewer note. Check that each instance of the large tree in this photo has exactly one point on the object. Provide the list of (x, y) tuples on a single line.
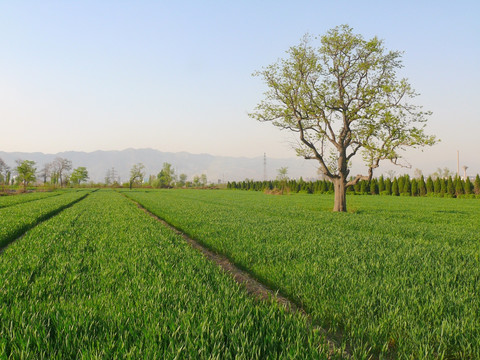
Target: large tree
[(343, 98)]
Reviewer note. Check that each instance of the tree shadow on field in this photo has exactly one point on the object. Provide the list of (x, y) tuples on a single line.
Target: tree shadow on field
[(355, 210)]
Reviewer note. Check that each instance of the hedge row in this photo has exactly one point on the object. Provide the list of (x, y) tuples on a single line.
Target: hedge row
[(401, 186)]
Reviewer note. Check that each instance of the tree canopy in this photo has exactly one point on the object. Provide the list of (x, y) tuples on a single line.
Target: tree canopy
[(60, 167), (166, 176), (79, 175), (4, 172), (137, 173), (26, 172), (343, 98)]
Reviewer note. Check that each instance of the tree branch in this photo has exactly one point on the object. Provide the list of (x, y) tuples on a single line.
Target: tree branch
[(318, 156)]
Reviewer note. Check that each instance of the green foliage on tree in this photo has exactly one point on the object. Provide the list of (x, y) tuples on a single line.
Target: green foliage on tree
[(182, 180), (343, 98), (137, 174), (381, 184), (401, 184), (203, 179), (373, 186), (407, 186), (395, 190), (196, 181), (331, 187), (282, 177), (468, 186), (450, 187), (356, 187), (4, 172), (476, 185), (437, 186), (422, 190), (443, 187), (166, 176), (26, 172), (388, 186), (458, 187), (430, 187), (79, 175), (282, 174), (414, 187), (363, 187)]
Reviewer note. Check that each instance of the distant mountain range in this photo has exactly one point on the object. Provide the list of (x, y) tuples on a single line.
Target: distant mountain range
[(216, 168)]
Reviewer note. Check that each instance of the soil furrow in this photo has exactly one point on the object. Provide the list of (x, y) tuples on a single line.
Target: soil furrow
[(254, 287)]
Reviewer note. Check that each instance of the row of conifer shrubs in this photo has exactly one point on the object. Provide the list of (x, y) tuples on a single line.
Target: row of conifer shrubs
[(401, 186)]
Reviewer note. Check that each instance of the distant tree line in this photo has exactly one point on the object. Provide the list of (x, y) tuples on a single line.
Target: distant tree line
[(165, 179), (60, 173), (57, 173), (398, 186)]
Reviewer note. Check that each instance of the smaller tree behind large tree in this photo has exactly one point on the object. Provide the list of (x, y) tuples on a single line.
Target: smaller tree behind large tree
[(26, 172)]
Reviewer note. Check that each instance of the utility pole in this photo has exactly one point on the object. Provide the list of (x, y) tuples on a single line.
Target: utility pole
[(113, 174)]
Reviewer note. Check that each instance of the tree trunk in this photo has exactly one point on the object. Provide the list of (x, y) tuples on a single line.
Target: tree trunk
[(340, 195)]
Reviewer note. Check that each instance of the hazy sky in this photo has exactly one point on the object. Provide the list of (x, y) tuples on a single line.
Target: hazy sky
[(176, 75)]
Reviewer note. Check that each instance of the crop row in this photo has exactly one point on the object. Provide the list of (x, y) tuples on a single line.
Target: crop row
[(398, 277), (11, 200), (104, 280), (16, 219)]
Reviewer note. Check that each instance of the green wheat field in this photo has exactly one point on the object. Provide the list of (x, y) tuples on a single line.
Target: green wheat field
[(88, 274)]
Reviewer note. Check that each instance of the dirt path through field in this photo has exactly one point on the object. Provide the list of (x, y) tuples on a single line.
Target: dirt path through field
[(253, 286)]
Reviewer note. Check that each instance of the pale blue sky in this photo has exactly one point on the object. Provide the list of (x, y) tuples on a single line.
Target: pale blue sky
[(176, 76)]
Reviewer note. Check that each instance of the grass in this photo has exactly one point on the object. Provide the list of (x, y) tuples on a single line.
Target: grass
[(11, 200), (18, 218), (104, 280), (397, 278)]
